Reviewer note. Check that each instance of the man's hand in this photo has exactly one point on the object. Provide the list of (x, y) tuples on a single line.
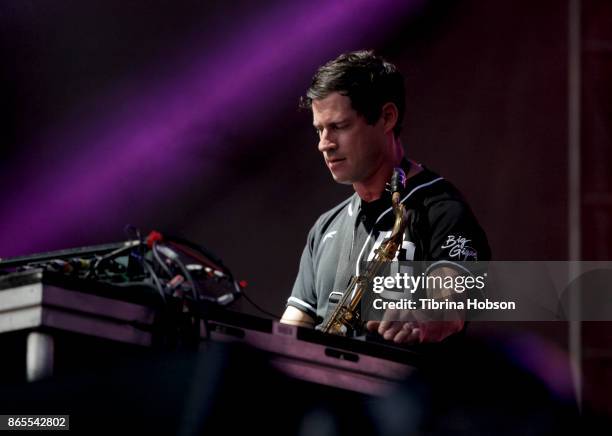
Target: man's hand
[(420, 326), (415, 332)]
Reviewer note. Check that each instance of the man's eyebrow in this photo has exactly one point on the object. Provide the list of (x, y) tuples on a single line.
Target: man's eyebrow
[(342, 121)]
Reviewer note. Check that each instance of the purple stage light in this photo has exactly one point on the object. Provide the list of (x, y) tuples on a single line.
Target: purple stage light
[(147, 145)]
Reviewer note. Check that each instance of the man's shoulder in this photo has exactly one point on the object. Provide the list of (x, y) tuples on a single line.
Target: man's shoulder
[(430, 188), (443, 214), (440, 199), (326, 219)]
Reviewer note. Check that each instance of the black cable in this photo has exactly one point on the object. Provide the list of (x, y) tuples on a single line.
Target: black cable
[(155, 279), (192, 334), (259, 308), (176, 259), (159, 260), (200, 249), (205, 257), (133, 233), (94, 268)]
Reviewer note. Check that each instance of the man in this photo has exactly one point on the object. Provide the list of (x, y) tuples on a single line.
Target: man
[(357, 102)]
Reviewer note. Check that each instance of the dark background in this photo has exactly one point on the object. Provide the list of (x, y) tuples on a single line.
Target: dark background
[(182, 117), (487, 108)]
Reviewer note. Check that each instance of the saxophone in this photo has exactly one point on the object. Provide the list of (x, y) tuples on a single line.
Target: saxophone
[(345, 318)]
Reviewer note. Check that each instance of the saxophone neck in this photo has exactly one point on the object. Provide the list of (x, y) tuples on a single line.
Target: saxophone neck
[(401, 216), (395, 199)]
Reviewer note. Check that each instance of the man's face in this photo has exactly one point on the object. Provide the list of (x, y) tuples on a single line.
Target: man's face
[(352, 149)]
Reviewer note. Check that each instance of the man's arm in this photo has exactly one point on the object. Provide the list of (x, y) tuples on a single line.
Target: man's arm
[(408, 326), (455, 236), (295, 316)]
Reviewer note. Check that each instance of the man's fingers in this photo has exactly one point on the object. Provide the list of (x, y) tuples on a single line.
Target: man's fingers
[(407, 336), (384, 326), (402, 336), (408, 326), (393, 329), (408, 332), (372, 325)]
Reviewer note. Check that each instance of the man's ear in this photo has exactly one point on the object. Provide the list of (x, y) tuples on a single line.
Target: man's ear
[(389, 115)]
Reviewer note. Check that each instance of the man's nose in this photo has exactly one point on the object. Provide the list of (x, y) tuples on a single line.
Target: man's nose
[(326, 142)]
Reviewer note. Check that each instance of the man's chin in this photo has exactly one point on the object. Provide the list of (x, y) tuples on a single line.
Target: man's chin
[(343, 180)]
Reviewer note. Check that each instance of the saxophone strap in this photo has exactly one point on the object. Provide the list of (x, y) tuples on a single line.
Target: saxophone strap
[(344, 270)]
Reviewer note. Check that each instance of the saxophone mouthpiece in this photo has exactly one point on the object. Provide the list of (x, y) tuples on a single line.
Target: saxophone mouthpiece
[(398, 180)]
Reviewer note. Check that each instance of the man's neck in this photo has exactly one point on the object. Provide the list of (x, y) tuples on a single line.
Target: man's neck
[(373, 188)]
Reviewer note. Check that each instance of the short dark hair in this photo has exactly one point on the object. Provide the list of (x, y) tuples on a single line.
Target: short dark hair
[(367, 79)]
